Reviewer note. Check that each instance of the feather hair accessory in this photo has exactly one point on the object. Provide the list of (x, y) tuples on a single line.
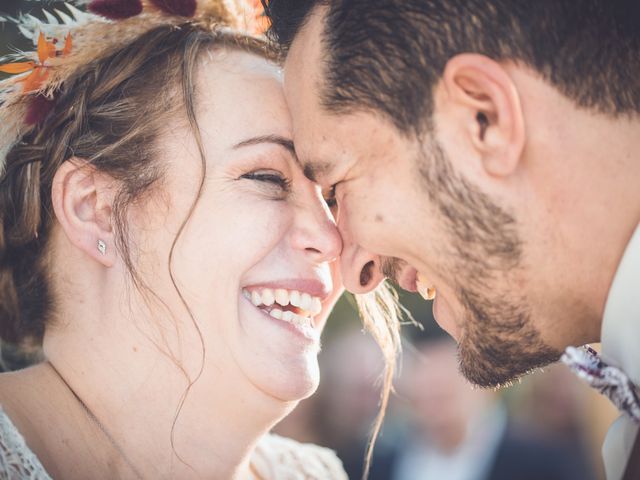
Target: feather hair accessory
[(66, 41)]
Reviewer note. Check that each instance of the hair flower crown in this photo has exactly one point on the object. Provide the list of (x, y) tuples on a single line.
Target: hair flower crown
[(91, 29)]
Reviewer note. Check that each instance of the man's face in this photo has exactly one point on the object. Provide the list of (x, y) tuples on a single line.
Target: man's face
[(405, 211)]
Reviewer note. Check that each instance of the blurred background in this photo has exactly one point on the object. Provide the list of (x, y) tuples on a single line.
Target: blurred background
[(549, 426)]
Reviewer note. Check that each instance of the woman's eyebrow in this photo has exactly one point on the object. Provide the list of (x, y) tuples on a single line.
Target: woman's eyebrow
[(313, 171), (274, 139)]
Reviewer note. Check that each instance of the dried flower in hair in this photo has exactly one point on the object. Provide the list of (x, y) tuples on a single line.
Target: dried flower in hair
[(17, 67), (39, 71), (38, 109), (116, 9), (96, 31), (184, 8), (261, 22)]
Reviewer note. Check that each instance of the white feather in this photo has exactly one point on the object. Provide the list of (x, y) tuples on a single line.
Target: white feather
[(51, 18), (31, 19), (26, 32), (79, 15), (14, 57), (66, 19), (31, 26)]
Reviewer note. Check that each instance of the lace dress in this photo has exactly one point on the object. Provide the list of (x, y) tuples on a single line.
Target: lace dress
[(17, 461), (275, 458)]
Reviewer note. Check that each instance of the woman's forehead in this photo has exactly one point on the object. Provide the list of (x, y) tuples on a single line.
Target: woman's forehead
[(240, 96), (232, 65)]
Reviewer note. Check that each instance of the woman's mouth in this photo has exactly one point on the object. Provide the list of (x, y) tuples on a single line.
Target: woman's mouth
[(290, 306)]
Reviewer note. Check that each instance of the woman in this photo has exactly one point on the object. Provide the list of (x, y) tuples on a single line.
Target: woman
[(161, 240)]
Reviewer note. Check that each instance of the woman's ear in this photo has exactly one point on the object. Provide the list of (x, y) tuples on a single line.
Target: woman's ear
[(82, 199), (487, 100)]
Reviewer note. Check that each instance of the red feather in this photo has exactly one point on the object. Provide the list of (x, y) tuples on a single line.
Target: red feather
[(183, 8), (116, 9), (39, 109)]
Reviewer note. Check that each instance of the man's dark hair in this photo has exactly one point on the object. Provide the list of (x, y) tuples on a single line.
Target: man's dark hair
[(387, 55)]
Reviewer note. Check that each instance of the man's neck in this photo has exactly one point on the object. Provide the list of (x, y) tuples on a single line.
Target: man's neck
[(581, 207), (605, 209)]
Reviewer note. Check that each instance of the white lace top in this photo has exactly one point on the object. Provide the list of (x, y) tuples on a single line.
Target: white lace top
[(275, 458), (17, 461)]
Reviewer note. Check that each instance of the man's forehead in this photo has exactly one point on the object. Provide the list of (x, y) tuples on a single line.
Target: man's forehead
[(305, 57)]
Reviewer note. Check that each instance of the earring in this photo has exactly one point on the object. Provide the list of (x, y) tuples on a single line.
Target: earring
[(102, 247)]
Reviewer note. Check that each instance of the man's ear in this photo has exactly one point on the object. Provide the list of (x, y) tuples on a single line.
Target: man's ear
[(487, 100), (82, 199)]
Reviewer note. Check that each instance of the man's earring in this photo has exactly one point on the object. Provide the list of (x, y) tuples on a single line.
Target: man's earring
[(102, 247)]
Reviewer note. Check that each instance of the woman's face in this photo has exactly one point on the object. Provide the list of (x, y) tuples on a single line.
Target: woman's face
[(254, 261)]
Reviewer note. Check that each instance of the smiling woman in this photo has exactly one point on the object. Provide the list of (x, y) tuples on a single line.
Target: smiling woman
[(161, 241)]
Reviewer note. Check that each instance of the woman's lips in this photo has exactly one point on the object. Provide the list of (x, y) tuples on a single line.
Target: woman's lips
[(407, 279), (298, 300), (292, 317), (296, 309)]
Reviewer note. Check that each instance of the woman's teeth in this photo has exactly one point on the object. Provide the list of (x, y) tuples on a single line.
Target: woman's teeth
[(291, 317), (306, 305), (427, 292)]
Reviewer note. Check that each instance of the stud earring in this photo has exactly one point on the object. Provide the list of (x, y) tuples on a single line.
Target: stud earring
[(102, 247)]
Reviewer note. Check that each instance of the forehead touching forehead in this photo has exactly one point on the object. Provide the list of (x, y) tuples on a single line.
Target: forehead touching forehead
[(312, 124), (330, 140)]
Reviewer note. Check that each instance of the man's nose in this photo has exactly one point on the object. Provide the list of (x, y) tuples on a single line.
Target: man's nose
[(360, 269), (316, 234)]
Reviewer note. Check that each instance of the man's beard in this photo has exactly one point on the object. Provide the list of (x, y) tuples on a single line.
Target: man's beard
[(499, 342)]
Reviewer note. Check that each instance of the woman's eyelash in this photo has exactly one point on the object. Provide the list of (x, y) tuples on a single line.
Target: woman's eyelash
[(269, 177)]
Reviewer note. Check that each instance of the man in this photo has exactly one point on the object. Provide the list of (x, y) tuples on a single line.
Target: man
[(486, 150)]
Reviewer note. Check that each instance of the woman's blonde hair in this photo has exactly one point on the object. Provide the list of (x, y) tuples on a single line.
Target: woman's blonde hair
[(381, 315)]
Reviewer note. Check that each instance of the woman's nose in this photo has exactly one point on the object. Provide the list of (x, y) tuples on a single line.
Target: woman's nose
[(316, 233)]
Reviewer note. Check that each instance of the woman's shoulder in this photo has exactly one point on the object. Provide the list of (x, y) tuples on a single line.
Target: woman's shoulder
[(278, 457), (16, 459)]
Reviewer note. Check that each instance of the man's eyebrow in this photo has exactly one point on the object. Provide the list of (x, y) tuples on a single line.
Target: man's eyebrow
[(315, 170), (274, 139)]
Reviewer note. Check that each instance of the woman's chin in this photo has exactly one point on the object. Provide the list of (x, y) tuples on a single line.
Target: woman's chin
[(279, 359), (290, 382)]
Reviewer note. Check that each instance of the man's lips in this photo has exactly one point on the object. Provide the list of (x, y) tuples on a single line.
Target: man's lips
[(413, 281), (407, 279), (428, 292)]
